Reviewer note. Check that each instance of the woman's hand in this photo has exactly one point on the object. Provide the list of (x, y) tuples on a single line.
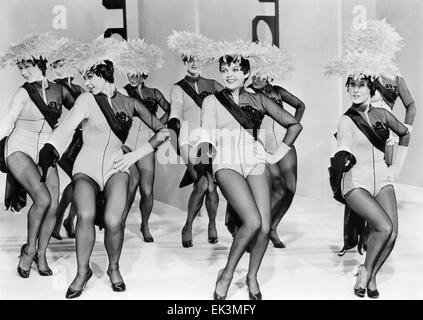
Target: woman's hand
[(48, 157), (393, 172), (163, 135), (123, 162), (281, 151)]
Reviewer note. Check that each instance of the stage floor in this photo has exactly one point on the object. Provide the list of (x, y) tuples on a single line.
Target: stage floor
[(308, 268)]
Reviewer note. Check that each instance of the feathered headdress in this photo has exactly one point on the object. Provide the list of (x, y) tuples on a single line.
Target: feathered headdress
[(378, 36), (99, 50), (369, 51), (190, 44), (276, 67), (38, 46), (68, 51), (140, 57), (363, 63)]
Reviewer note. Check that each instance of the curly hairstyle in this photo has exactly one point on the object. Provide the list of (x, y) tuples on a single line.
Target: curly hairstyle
[(243, 63), (369, 82), (104, 70)]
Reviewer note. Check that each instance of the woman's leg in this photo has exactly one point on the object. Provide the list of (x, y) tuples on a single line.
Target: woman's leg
[(388, 201), (146, 168), (238, 194), (366, 206), (47, 226), (285, 193), (26, 173), (259, 182), (63, 204), (84, 196), (212, 202), (134, 178), (115, 193), (68, 223)]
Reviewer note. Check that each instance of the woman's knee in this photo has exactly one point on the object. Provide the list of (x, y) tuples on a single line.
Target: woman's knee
[(385, 228), (86, 216), (253, 224), (202, 185), (42, 199), (146, 191), (113, 223)]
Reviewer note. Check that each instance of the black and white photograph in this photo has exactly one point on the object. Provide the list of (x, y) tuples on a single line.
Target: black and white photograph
[(202, 150)]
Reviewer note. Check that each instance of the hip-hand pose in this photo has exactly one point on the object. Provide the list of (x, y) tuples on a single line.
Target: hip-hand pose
[(230, 122), (143, 171), (359, 174), (101, 168), (27, 123), (186, 99)]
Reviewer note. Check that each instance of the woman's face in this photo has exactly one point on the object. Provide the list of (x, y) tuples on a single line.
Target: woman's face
[(258, 82), (93, 82), (359, 91), (193, 67), (134, 79), (232, 75), (59, 69), (30, 72)]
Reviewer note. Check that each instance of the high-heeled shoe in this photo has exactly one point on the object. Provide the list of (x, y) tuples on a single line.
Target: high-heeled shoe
[(72, 293), (277, 243), (146, 238), (68, 227), (44, 273), (359, 291), (212, 238), (56, 235), (374, 294), (118, 286), (21, 271), (186, 243), (215, 295), (253, 296)]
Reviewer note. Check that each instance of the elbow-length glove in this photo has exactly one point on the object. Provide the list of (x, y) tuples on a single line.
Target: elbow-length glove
[(48, 157), (340, 163), (175, 125)]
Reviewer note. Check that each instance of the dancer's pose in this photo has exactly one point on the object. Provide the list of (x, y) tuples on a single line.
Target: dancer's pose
[(381, 37), (30, 118), (143, 171), (231, 119), (65, 78), (359, 173), (101, 167), (186, 99), (284, 173)]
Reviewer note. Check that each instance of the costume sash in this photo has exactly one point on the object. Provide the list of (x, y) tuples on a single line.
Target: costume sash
[(63, 82), (50, 113), (236, 111), (191, 92), (367, 130), (115, 121)]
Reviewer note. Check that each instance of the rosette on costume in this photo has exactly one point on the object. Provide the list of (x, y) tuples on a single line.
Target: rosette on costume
[(191, 44), (33, 46), (99, 50), (139, 57)]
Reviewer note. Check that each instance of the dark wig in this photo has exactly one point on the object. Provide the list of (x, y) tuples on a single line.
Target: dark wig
[(369, 80), (187, 58), (41, 63), (144, 75), (104, 70), (243, 63)]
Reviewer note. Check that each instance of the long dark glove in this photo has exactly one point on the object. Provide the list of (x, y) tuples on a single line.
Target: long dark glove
[(47, 158), (175, 126), (205, 160), (341, 162)]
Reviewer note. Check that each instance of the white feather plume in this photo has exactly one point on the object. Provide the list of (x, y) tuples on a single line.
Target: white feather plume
[(32, 46), (99, 50), (277, 66), (363, 63), (378, 37), (191, 44), (68, 51), (140, 57)]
